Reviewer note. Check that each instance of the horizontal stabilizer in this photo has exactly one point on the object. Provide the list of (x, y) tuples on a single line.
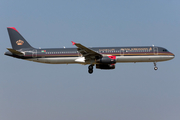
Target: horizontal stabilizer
[(15, 51)]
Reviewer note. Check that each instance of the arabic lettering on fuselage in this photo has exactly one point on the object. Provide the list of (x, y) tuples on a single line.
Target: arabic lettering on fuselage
[(127, 49)]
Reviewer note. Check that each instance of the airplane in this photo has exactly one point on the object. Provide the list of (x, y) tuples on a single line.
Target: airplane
[(102, 57)]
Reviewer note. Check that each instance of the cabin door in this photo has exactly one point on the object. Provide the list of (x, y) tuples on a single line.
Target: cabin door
[(122, 52), (34, 53), (79, 54), (155, 50)]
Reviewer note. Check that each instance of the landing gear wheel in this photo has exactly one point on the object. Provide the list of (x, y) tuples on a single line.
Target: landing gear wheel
[(155, 68), (90, 71), (90, 67)]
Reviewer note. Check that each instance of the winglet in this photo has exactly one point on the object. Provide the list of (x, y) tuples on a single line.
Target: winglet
[(73, 43)]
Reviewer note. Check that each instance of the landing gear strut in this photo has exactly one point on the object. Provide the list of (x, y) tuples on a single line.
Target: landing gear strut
[(90, 69), (155, 67)]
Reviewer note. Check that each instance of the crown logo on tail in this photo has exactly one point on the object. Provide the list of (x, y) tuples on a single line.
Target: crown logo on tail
[(19, 42)]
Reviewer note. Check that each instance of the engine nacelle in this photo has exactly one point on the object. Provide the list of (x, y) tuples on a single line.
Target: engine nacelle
[(105, 66), (107, 60)]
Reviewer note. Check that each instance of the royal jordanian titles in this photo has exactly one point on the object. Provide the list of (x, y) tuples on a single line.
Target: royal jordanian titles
[(101, 57)]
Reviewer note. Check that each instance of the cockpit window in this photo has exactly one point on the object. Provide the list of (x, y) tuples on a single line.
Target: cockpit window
[(165, 50)]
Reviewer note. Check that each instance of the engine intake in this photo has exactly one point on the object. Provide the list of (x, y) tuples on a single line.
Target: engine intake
[(107, 60)]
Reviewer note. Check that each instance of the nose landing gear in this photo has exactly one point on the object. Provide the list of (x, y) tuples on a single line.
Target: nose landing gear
[(90, 69), (155, 67)]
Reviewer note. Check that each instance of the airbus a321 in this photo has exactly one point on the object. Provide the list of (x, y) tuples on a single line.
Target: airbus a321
[(101, 57)]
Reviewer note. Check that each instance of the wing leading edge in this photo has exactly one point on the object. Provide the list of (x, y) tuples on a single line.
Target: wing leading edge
[(86, 52)]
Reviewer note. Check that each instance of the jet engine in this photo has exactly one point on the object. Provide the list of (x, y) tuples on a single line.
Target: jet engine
[(105, 66), (107, 60)]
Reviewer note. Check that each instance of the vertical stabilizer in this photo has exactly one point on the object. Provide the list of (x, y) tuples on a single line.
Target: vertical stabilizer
[(17, 40)]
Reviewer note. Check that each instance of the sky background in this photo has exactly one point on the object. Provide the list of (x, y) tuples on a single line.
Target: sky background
[(36, 91)]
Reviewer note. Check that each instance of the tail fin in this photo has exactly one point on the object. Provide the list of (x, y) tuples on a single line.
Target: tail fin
[(17, 41)]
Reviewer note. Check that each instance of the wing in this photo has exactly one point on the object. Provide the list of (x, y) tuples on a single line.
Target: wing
[(86, 52)]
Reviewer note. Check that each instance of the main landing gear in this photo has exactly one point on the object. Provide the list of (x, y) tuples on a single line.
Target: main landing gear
[(155, 67), (90, 69)]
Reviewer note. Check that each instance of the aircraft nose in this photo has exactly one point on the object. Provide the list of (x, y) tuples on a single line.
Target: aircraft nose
[(172, 55)]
